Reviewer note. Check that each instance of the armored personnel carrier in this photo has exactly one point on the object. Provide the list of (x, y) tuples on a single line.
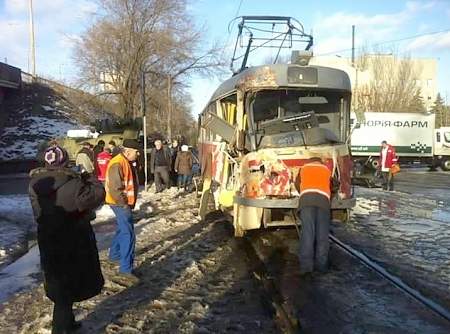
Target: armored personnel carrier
[(104, 130)]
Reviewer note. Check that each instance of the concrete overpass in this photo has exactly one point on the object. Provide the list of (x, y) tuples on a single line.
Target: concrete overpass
[(10, 76), (10, 82), (10, 79)]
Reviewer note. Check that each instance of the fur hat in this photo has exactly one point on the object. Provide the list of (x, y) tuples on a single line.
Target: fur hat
[(131, 143), (55, 156)]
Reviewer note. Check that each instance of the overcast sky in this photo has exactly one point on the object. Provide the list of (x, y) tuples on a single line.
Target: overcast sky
[(59, 22)]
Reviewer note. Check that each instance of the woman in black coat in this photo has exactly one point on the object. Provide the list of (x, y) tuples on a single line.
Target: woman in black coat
[(63, 204)]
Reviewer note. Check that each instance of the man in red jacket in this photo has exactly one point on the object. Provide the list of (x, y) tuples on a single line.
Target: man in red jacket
[(388, 157), (102, 163)]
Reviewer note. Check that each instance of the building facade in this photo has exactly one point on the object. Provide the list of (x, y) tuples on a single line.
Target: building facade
[(424, 72)]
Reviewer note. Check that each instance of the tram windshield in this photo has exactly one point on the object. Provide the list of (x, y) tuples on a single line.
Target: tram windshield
[(273, 110)]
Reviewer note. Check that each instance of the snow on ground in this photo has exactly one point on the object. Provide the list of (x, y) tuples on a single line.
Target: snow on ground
[(20, 142), (16, 208), (16, 220), (193, 279), (407, 233)]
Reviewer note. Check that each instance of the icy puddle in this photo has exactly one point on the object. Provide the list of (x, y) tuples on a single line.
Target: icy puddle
[(408, 234)]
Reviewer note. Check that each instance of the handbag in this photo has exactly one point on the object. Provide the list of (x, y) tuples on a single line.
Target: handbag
[(395, 168)]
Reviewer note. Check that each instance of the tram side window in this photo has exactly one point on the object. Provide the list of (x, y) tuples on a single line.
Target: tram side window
[(228, 106), (211, 109)]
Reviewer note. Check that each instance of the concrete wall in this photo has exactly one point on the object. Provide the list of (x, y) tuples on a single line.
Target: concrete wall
[(2, 109), (10, 76)]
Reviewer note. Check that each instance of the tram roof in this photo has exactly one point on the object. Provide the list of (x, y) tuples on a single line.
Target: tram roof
[(285, 75)]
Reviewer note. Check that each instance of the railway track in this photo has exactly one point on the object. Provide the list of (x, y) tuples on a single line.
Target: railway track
[(278, 298), (396, 281), (282, 311)]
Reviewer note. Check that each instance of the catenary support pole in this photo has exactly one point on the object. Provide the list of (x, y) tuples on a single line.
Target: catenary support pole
[(144, 127), (32, 42), (353, 45)]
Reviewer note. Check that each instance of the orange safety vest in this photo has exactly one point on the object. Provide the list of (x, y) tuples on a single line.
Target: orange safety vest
[(128, 182), (315, 178)]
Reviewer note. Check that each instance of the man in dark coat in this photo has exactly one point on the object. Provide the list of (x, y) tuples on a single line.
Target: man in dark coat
[(99, 148), (174, 149), (63, 205), (160, 166), (114, 148)]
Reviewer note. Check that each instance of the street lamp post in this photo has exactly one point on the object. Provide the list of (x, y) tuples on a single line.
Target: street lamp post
[(32, 42)]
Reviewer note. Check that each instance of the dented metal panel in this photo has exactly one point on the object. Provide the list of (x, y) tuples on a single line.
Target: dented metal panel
[(276, 75), (219, 126)]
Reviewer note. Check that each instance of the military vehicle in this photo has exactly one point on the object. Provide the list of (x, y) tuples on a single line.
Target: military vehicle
[(105, 131)]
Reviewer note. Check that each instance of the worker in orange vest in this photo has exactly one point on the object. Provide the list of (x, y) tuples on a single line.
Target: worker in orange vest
[(315, 215), (121, 191)]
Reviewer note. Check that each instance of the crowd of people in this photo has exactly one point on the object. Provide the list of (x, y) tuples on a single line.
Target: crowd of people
[(64, 201), (170, 165)]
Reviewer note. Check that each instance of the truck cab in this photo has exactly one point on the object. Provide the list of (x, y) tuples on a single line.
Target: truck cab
[(442, 147)]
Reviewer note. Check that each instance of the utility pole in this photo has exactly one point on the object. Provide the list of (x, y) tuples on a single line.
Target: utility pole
[(353, 45), (169, 106), (32, 44), (144, 126), (355, 66)]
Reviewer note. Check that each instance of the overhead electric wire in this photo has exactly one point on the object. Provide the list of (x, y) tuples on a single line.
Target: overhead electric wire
[(258, 46), (390, 41), (229, 30)]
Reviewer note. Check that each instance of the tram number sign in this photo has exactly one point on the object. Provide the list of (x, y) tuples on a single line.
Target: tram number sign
[(302, 75)]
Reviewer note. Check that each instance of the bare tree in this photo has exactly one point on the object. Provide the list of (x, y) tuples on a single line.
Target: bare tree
[(128, 35), (392, 85), (183, 64), (416, 104), (184, 56), (153, 36)]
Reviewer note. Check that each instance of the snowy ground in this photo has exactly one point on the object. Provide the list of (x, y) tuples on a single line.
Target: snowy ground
[(194, 279), (17, 225), (16, 222), (407, 231), (20, 141)]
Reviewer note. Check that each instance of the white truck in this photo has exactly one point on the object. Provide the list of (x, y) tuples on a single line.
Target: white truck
[(412, 134)]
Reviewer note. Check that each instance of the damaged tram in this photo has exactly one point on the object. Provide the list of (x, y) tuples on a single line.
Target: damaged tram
[(260, 127)]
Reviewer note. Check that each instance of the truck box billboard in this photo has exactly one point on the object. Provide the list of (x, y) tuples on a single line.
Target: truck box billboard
[(412, 134)]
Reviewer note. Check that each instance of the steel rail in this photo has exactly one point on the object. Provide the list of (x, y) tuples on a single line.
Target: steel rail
[(286, 321), (440, 310)]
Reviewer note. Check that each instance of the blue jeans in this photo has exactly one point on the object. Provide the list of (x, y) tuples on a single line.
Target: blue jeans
[(122, 247), (314, 242), (184, 181)]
